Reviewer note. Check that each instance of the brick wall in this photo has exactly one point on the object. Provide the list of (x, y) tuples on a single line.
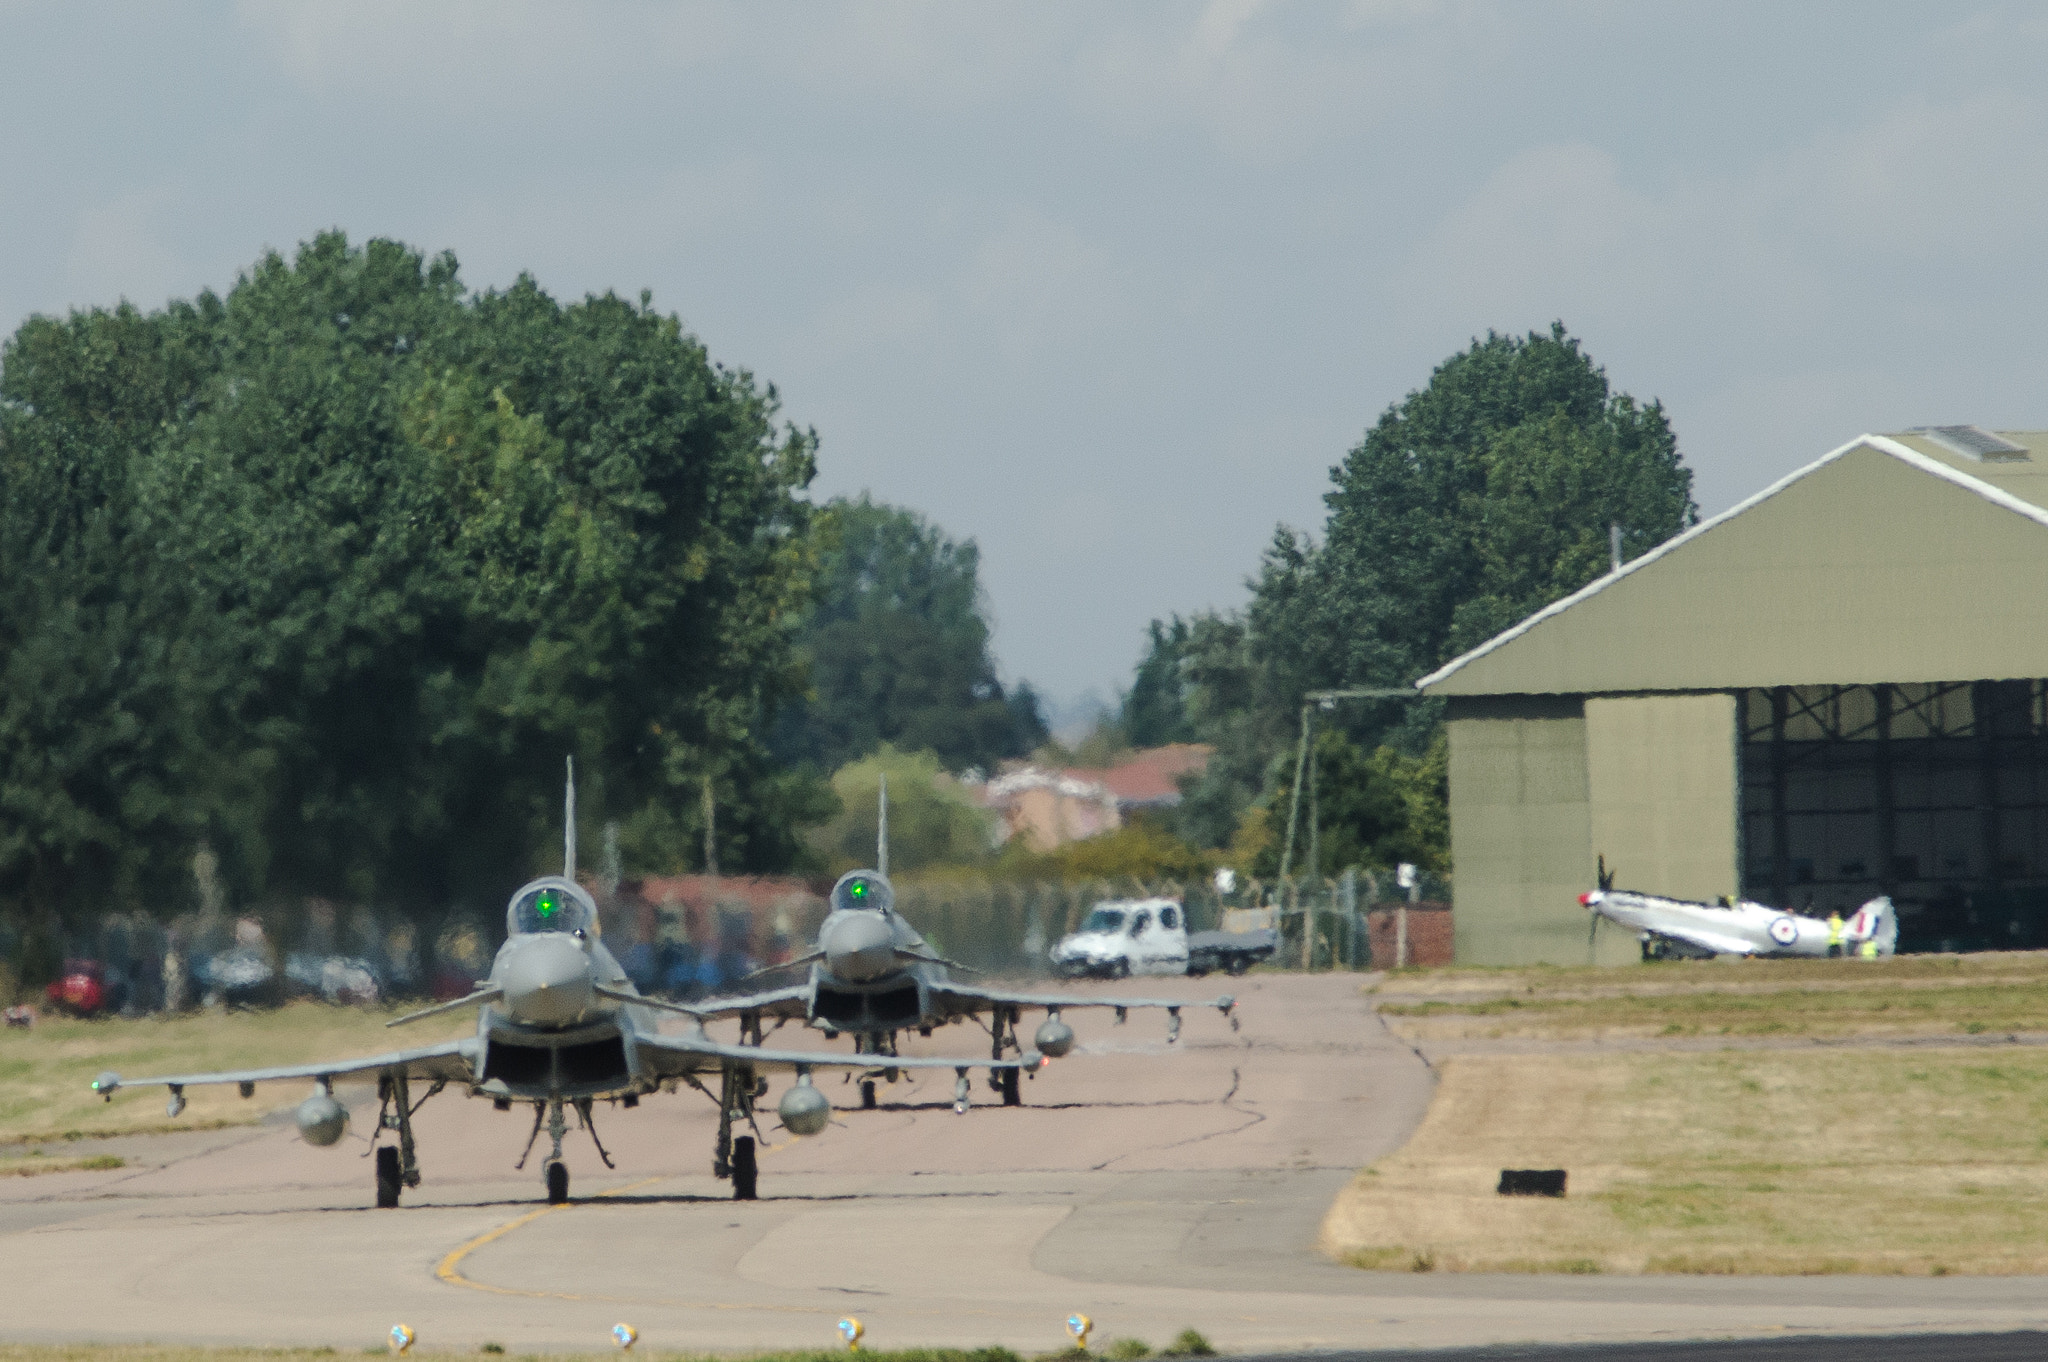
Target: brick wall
[(1429, 935)]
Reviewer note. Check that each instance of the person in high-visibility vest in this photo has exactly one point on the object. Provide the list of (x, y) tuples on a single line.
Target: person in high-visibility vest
[(1834, 933), (1868, 950)]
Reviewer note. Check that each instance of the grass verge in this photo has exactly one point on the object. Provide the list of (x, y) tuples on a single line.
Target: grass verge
[(46, 1071), (1905, 996), (37, 1164), (1784, 1162)]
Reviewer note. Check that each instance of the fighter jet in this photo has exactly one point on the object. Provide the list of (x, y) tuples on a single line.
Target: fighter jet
[(1677, 927), (873, 976), (560, 1026)]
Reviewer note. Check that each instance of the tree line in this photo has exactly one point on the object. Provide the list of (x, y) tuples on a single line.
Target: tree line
[(326, 573)]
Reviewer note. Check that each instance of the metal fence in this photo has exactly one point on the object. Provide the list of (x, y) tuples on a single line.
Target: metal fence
[(1007, 926)]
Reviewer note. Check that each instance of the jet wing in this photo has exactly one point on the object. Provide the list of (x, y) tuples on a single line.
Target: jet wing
[(675, 1056), (965, 999), (452, 1060), (793, 1002)]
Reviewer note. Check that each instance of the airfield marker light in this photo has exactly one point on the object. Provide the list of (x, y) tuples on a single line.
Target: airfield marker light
[(625, 1335), (401, 1338), (851, 1330), (1079, 1327)]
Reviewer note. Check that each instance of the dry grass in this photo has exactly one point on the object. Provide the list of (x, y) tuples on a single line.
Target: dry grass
[(37, 1163), (46, 1072), (1925, 995), (1928, 1162)]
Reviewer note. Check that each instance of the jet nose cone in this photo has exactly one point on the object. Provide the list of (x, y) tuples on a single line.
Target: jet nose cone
[(860, 946), (547, 980)]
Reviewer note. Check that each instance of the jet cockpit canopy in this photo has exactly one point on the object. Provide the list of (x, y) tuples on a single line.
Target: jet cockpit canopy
[(866, 889), (551, 904)]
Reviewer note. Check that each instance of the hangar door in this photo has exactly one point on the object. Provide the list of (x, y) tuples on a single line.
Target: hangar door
[(1934, 793)]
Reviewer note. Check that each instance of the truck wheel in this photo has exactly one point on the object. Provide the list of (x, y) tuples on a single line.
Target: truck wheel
[(1122, 970), (387, 1176), (1237, 965)]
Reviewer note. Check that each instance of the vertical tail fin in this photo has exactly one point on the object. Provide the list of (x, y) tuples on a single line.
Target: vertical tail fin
[(882, 833), (569, 825)]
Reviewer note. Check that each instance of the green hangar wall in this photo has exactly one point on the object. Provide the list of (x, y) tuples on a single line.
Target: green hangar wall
[(1832, 690)]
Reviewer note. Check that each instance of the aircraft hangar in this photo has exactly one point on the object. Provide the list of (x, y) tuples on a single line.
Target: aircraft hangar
[(1835, 689)]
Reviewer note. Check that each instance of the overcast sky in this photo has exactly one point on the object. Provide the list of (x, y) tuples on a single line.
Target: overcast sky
[(1109, 288)]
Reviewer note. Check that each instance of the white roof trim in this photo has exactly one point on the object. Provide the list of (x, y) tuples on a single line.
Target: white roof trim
[(1883, 444)]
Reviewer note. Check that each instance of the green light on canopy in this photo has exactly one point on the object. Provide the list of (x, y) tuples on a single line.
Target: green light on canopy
[(859, 889), (546, 904)]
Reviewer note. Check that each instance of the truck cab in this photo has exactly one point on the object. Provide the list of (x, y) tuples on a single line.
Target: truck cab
[(1121, 937)]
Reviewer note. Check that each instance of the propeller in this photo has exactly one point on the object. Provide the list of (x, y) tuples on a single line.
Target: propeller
[(1605, 879)]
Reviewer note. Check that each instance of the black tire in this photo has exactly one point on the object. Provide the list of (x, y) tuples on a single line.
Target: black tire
[(1238, 965), (867, 1094), (558, 1182), (745, 1172), (1122, 970), (1007, 1082), (388, 1181)]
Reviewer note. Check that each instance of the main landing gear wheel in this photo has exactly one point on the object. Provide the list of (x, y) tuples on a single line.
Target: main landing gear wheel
[(1122, 970), (867, 1094), (1007, 1083), (557, 1175), (745, 1172), (387, 1176)]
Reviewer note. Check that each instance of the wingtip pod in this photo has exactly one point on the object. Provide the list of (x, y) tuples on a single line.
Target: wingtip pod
[(105, 1084)]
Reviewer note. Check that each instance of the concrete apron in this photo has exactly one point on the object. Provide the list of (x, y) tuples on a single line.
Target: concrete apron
[(1152, 1187)]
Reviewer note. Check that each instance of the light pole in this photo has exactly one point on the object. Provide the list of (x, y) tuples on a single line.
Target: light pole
[(1310, 702)]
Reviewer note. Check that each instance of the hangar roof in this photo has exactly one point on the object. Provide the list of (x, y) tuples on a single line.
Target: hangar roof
[(1920, 556)]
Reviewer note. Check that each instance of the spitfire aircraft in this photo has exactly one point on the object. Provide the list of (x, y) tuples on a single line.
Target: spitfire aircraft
[(1736, 927), (560, 1026), (873, 976)]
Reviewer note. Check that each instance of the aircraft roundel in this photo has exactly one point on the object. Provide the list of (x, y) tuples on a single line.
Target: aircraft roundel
[(1784, 930)]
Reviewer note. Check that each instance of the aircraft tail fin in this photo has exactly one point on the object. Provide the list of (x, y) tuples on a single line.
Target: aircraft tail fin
[(1875, 921), (882, 832), (569, 825)]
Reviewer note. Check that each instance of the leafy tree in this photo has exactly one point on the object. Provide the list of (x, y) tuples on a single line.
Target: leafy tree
[(1375, 808), (330, 571), (1471, 503), (933, 821), (1145, 847), (1154, 710), (898, 649)]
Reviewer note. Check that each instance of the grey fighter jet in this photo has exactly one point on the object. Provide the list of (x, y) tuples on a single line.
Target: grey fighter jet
[(873, 976), (560, 1026)]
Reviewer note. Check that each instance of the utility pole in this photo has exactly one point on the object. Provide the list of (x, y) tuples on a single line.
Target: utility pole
[(1310, 702)]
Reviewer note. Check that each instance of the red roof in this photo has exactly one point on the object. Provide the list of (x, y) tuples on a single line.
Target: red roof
[(1151, 776)]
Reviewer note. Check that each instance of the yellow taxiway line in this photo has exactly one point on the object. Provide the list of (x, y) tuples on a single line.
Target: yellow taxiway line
[(450, 1270)]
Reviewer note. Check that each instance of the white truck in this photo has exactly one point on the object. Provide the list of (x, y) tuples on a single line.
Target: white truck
[(1122, 937)]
